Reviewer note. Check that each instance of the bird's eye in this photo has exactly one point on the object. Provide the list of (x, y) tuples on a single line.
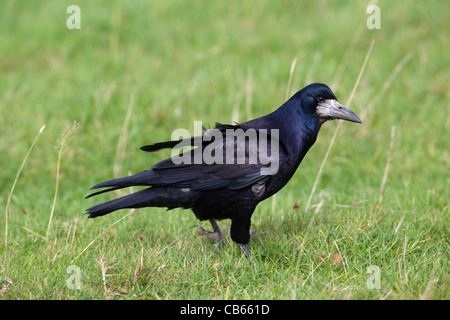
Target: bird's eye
[(320, 99)]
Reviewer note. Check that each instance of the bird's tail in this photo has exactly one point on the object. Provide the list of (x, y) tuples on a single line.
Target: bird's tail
[(158, 195), (134, 200), (151, 197), (145, 178)]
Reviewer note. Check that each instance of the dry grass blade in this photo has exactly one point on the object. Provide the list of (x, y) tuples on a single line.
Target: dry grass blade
[(386, 169), (316, 182), (121, 144), (291, 75), (101, 233), (66, 137), (288, 90), (386, 85), (15, 181), (355, 39), (248, 93)]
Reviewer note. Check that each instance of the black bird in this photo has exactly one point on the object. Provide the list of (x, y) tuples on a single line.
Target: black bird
[(217, 184)]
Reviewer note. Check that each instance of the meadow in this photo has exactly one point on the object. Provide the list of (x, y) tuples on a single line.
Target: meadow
[(365, 217)]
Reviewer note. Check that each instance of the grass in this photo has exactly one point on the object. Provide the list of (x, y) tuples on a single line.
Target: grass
[(136, 71)]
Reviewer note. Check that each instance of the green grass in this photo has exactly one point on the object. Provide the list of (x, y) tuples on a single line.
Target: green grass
[(184, 61)]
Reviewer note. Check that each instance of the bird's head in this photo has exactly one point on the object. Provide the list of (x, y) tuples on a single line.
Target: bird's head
[(318, 100)]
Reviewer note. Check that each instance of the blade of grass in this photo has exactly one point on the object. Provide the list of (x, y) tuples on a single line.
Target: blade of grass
[(125, 216), (291, 75), (248, 93), (355, 39), (316, 182), (386, 85), (33, 232), (122, 143), (15, 181), (288, 90), (66, 137), (386, 169)]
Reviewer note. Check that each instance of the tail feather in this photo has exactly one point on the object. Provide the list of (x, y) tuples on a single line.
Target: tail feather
[(134, 200), (103, 191), (145, 178), (151, 197)]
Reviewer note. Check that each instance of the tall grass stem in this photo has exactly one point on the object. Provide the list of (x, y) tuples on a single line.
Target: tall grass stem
[(316, 182), (8, 203)]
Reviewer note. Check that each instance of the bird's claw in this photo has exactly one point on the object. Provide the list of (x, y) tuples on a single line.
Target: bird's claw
[(216, 235), (244, 250)]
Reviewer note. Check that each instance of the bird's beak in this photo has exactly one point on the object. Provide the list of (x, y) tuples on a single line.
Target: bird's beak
[(331, 109)]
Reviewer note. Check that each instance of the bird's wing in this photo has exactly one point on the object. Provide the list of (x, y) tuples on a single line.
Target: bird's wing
[(194, 141), (224, 160)]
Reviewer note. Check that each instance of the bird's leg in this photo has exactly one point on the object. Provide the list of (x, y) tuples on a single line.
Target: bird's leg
[(244, 250), (216, 234)]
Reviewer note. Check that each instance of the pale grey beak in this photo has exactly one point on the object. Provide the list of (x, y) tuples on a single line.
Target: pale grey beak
[(330, 109)]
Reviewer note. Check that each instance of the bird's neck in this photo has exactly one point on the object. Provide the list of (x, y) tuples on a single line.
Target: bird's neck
[(298, 132)]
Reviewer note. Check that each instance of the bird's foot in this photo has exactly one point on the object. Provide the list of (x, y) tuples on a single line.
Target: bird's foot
[(244, 250), (216, 234)]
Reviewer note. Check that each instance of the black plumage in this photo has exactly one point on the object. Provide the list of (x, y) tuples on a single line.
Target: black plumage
[(224, 189)]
